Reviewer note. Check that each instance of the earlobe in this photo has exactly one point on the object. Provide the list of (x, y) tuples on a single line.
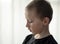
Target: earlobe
[(46, 21)]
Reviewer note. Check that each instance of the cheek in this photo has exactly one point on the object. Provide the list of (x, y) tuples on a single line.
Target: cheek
[(36, 27)]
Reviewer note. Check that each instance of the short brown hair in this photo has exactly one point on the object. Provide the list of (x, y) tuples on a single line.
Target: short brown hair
[(42, 7)]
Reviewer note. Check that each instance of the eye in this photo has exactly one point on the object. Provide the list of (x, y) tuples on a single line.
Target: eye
[(30, 21)]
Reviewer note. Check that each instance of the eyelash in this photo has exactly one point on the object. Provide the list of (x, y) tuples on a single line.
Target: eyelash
[(30, 21)]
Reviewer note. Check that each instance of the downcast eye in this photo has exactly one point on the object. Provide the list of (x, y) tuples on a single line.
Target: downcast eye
[(30, 21)]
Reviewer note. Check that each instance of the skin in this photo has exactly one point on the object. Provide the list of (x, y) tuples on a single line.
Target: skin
[(36, 25)]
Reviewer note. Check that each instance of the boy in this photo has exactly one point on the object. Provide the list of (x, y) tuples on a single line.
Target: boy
[(39, 15)]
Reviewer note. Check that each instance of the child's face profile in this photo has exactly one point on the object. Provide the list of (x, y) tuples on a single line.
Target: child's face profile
[(34, 24)]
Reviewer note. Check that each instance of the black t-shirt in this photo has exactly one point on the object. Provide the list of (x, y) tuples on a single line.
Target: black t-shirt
[(47, 40)]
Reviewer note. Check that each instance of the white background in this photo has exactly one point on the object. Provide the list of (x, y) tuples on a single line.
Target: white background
[(12, 21)]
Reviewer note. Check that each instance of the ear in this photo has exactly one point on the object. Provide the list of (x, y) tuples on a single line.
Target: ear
[(46, 21)]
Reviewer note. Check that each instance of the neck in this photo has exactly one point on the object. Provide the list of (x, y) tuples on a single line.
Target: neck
[(43, 34)]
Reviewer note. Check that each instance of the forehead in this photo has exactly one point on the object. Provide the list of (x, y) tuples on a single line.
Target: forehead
[(30, 14)]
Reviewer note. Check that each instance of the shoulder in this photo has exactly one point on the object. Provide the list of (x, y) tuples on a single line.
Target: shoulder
[(28, 37), (52, 40)]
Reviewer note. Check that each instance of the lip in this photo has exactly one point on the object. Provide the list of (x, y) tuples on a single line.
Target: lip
[(29, 29)]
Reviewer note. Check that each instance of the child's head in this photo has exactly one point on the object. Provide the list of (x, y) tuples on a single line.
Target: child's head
[(38, 15)]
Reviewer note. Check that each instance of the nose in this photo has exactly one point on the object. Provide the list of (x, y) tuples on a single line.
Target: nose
[(27, 25)]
